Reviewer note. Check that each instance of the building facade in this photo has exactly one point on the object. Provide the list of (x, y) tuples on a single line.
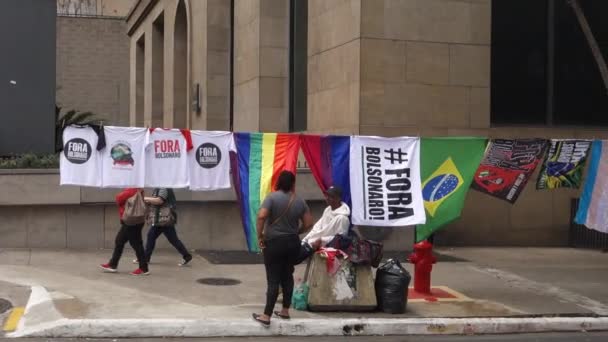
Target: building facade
[(93, 58), (494, 68), (27, 76)]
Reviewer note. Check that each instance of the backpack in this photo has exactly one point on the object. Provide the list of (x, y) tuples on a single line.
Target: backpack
[(164, 215), (135, 210)]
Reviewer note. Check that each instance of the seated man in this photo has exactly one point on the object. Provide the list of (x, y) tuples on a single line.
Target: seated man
[(334, 221)]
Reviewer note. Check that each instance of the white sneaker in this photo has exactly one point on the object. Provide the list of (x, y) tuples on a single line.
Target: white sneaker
[(185, 262)]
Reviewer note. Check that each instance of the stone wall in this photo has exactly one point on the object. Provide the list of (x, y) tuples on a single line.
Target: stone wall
[(334, 51), (38, 213), (194, 51), (216, 102), (261, 65), (101, 8), (93, 67), (425, 66)]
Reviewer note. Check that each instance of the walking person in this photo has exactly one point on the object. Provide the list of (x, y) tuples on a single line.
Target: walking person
[(278, 229), (130, 233), (163, 203)]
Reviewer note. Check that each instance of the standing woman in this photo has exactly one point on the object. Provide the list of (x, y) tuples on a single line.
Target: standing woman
[(127, 233), (162, 197), (278, 229)]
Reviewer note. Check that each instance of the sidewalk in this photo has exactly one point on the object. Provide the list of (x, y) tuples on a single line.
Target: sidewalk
[(494, 282)]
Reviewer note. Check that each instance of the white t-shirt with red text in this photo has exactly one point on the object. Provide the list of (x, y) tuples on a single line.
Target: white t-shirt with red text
[(167, 158), (123, 160), (210, 160)]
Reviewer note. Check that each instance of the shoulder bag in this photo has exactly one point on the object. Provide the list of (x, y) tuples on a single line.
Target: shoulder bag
[(135, 210), (291, 200)]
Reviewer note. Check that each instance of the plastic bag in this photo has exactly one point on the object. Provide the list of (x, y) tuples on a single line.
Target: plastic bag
[(299, 300), (365, 252), (392, 282), (360, 251)]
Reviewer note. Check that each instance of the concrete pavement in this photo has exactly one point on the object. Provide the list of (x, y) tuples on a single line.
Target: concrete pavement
[(547, 337), (495, 282)]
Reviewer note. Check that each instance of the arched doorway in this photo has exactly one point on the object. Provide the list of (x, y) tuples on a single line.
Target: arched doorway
[(180, 68)]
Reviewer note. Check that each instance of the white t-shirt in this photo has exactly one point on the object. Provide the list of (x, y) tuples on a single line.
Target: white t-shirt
[(123, 160), (209, 161), (79, 161), (167, 158)]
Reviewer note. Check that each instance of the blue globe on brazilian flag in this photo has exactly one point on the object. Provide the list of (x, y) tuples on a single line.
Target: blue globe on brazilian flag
[(440, 185), (447, 169)]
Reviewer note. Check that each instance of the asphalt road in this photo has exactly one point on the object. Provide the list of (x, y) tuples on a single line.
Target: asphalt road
[(578, 337)]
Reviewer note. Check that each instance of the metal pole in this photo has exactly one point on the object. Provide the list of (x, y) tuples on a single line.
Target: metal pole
[(595, 49)]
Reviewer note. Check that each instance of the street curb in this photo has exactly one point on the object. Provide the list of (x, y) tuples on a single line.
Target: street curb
[(117, 328), (41, 319), (39, 309)]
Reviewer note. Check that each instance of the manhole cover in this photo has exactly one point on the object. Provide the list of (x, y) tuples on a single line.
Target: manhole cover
[(218, 281), (4, 305)]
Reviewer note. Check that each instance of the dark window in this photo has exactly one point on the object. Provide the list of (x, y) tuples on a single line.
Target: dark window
[(580, 95), (519, 55), (543, 71), (298, 59)]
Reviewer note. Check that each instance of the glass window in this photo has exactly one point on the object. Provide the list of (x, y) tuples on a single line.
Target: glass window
[(543, 71), (519, 61)]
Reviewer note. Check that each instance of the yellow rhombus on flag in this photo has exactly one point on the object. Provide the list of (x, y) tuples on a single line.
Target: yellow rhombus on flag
[(447, 181)]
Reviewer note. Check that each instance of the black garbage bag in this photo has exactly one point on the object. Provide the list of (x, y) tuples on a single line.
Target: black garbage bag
[(392, 281)]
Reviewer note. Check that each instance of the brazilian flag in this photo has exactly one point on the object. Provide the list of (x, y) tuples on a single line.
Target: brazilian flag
[(447, 169)]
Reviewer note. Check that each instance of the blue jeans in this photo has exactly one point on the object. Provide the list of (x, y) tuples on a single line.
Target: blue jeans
[(171, 235)]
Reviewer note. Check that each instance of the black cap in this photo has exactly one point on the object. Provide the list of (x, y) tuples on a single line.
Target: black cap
[(334, 191)]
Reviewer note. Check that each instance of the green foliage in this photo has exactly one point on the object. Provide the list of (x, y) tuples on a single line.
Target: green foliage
[(31, 161), (71, 117)]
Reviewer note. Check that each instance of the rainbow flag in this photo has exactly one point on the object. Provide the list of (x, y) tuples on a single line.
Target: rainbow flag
[(593, 206), (328, 157), (260, 159)]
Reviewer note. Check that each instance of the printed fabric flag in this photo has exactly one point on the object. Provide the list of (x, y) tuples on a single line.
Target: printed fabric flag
[(507, 167), (447, 167), (593, 206), (260, 159), (385, 181), (564, 164), (328, 159)]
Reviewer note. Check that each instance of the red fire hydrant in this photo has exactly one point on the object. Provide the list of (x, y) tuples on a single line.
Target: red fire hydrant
[(423, 261)]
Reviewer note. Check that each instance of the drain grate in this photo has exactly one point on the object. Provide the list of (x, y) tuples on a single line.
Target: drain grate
[(218, 281), (5, 305)]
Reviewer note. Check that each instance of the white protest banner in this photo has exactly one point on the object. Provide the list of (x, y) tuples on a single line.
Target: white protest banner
[(385, 181)]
